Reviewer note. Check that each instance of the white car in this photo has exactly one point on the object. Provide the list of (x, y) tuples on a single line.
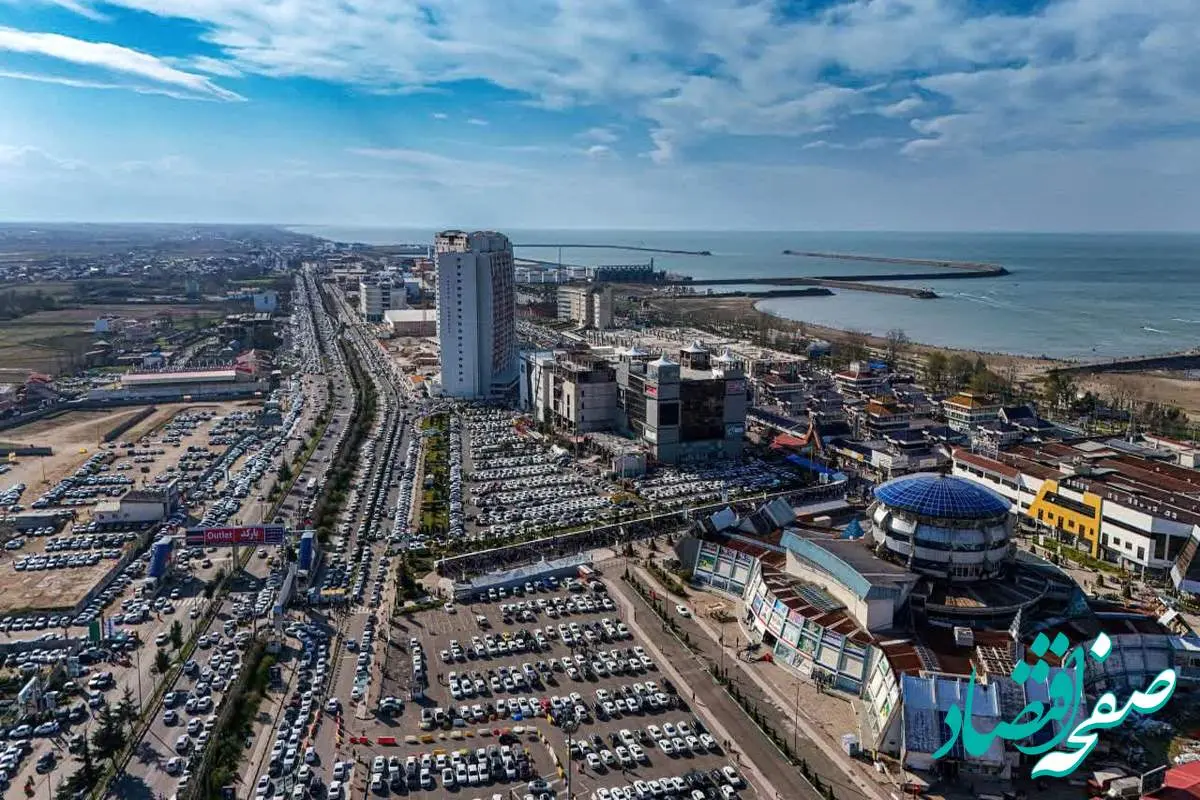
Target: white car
[(682, 610)]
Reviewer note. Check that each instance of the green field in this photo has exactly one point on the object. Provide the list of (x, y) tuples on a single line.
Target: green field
[(53, 341)]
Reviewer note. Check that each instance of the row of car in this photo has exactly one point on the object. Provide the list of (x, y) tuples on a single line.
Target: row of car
[(716, 784), (59, 491), (11, 496)]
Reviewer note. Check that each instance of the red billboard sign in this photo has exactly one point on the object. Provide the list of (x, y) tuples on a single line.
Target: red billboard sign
[(239, 535)]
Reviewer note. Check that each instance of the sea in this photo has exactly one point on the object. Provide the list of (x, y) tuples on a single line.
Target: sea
[(1072, 296)]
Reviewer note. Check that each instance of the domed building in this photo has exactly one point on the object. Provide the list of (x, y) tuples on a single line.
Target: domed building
[(942, 527)]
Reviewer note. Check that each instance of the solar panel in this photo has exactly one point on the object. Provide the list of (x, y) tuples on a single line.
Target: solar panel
[(818, 598), (941, 497)]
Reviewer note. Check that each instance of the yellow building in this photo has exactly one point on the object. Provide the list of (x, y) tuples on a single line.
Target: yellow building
[(1075, 514)]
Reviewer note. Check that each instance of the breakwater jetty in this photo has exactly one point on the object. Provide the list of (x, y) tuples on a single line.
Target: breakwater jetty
[(632, 248), (1170, 362), (829, 283), (973, 269)]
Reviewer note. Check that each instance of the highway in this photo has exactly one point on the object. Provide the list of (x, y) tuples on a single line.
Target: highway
[(146, 774), (369, 524)]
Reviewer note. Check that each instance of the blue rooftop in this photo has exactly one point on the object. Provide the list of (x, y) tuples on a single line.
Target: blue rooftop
[(941, 496)]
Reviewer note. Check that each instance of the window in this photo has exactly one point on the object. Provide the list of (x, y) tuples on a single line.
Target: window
[(1141, 553), (1128, 546)]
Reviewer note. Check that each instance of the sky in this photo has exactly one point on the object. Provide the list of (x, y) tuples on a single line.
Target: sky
[(939, 115)]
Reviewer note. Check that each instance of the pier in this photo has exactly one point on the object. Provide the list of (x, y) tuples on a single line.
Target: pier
[(974, 269), (1170, 362), (831, 283), (631, 247)]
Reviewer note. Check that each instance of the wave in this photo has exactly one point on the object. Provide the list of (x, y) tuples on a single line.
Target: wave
[(1152, 330), (1188, 321)]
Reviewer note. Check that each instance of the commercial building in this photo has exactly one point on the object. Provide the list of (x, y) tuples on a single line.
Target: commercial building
[(910, 607), (418, 322), (576, 393), (673, 413), (682, 414), (590, 306), (476, 314), (967, 410), (1124, 507), (138, 507), (861, 378), (238, 380), (376, 296)]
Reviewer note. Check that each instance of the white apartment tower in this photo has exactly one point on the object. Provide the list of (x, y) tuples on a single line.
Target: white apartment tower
[(476, 314)]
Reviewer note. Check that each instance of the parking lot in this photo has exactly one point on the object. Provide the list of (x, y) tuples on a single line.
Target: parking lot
[(518, 485), (529, 664), (54, 566)]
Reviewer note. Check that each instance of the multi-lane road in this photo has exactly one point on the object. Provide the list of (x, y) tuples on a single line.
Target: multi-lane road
[(147, 773)]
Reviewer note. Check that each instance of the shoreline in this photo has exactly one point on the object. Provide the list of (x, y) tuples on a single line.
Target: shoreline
[(744, 308), (832, 334), (1142, 387)]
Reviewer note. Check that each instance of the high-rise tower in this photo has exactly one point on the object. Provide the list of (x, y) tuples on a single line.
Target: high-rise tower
[(476, 314)]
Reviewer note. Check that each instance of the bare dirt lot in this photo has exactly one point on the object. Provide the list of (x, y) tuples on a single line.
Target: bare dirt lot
[(51, 341), (48, 589), (1148, 387), (74, 436)]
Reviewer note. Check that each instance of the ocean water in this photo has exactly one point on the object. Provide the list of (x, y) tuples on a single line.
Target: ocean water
[(1083, 296)]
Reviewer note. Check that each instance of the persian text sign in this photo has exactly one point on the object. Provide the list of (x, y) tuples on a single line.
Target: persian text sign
[(1061, 711), (239, 535)]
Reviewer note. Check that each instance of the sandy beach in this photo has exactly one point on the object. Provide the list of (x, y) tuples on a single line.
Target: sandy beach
[(1147, 387)]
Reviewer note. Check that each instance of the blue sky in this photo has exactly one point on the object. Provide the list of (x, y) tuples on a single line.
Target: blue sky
[(783, 114)]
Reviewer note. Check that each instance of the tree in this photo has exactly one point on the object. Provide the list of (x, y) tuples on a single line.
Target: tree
[(109, 737), (162, 662), (897, 346), (1058, 390), (853, 346), (285, 472), (986, 382), (176, 634), (936, 365), (127, 709), (959, 370)]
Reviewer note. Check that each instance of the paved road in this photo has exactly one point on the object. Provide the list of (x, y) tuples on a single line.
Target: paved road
[(145, 777), (748, 739)]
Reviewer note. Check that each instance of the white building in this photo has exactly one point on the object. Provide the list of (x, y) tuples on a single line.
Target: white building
[(590, 306), (379, 295), (476, 314), (419, 322)]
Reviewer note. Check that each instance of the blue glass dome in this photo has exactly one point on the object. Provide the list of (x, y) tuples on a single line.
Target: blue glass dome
[(941, 497)]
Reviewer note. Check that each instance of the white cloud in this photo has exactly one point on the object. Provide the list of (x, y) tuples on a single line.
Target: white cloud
[(438, 115), (477, 121), (1073, 73), (601, 135), (599, 151), (446, 170), (903, 108), (213, 66), (723, 66), (664, 146), (111, 59), (22, 157)]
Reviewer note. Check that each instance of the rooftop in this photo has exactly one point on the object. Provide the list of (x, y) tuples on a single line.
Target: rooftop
[(941, 497)]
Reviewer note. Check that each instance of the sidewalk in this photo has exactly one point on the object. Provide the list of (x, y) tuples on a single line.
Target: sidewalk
[(849, 778), (752, 752)]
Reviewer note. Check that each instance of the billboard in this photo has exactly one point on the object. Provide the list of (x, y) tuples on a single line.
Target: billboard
[(239, 535), (735, 387)]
